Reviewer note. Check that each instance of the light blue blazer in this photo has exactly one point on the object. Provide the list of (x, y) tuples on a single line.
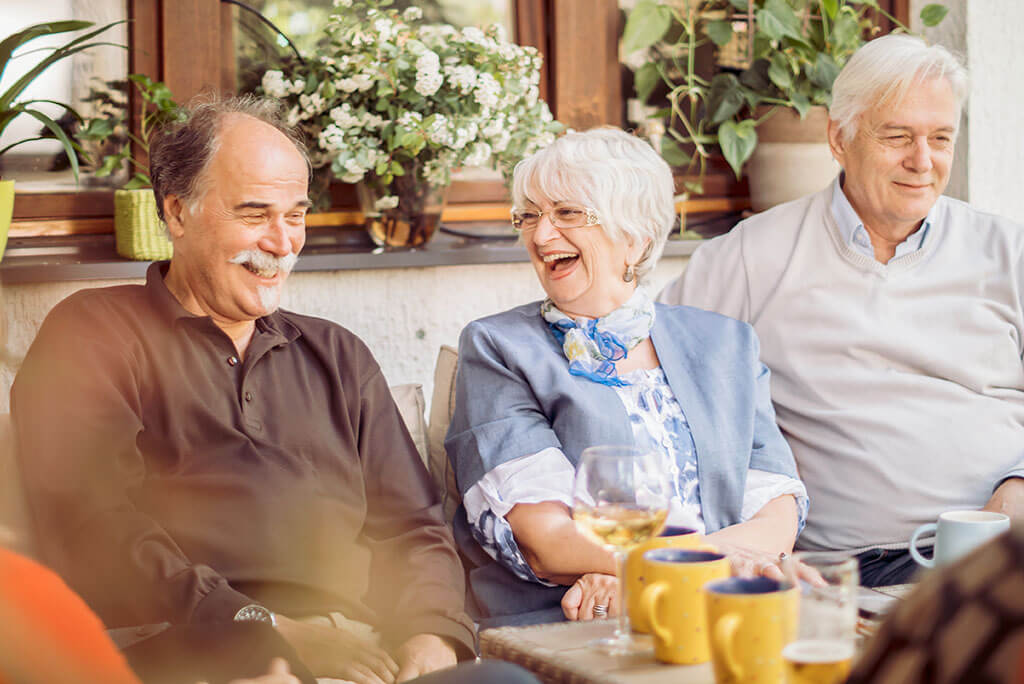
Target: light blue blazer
[(515, 396)]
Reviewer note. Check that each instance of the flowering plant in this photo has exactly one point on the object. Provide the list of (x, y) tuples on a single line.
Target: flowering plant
[(387, 96)]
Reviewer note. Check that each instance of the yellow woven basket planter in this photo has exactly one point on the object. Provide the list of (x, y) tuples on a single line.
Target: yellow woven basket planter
[(6, 207), (140, 233)]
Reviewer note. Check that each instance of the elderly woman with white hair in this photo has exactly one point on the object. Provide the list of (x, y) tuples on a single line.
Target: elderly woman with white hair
[(598, 362)]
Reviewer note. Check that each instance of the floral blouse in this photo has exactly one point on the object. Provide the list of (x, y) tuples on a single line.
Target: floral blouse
[(657, 420)]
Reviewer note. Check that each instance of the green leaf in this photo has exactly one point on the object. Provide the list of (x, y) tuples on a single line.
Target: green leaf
[(58, 132), (830, 7), (824, 71), (801, 104), (96, 129), (138, 181), (672, 153), (779, 72), (778, 20), (756, 76), (932, 14), (846, 35), (646, 24), (396, 169), (741, 5), (645, 79), (737, 141), (725, 97), (720, 32), (110, 164)]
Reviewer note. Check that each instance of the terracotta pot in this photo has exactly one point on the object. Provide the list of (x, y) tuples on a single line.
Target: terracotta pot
[(792, 157)]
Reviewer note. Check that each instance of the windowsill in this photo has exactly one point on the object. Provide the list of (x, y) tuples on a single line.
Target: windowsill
[(92, 257)]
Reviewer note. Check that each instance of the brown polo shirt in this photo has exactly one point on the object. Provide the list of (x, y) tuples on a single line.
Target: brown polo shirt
[(170, 481)]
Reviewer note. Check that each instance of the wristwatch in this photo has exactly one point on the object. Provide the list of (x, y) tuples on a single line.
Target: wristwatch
[(254, 612)]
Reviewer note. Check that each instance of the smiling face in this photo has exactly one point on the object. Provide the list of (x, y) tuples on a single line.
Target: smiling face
[(580, 269), (234, 249), (898, 162)]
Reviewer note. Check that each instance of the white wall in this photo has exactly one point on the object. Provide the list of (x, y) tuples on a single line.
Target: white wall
[(990, 151), (404, 315)]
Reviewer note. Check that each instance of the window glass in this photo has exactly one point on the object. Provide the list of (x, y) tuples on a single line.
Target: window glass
[(87, 81)]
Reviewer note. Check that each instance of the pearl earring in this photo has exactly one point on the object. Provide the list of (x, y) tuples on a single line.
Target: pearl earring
[(630, 274)]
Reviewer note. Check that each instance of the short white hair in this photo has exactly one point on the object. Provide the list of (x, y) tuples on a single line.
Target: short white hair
[(884, 70), (617, 174)]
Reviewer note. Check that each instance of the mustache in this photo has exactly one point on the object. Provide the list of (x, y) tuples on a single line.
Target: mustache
[(266, 264)]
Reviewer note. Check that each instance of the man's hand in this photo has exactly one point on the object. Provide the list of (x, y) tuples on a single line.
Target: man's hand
[(422, 654), (331, 652), (1009, 499), (592, 589)]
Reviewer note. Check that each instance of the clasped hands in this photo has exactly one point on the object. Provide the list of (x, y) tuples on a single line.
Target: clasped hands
[(331, 652), (598, 589)]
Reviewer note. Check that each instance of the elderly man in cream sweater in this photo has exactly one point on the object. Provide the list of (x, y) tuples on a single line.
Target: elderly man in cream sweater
[(891, 317)]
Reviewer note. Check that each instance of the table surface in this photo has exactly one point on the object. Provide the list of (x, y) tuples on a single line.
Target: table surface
[(558, 654)]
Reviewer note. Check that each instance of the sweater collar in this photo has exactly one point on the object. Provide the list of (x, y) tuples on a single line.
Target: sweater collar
[(852, 230)]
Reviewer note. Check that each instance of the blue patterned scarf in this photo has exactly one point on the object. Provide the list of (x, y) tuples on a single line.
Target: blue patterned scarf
[(592, 345)]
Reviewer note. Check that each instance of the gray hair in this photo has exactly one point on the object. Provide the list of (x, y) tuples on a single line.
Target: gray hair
[(180, 152), (885, 69), (617, 174)]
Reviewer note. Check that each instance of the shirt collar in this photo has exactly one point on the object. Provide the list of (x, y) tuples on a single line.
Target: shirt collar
[(172, 310), (852, 230)]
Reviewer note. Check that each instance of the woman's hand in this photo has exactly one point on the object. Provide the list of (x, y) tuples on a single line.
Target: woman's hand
[(592, 589), (747, 562)]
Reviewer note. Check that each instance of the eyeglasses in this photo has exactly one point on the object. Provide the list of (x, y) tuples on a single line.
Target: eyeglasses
[(561, 217)]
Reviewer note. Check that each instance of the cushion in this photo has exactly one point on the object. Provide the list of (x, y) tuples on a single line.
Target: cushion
[(442, 405), (412, 406)]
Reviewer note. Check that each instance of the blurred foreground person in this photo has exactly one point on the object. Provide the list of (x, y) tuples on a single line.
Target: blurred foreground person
[(194, 455), (964, 624)]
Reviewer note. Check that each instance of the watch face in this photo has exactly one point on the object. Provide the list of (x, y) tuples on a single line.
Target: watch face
[(254, 613)]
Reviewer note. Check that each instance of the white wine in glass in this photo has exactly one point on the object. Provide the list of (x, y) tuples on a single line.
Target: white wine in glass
[(620, 499)]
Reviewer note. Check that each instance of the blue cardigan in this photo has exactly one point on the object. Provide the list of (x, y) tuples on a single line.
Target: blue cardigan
[(515, 396)]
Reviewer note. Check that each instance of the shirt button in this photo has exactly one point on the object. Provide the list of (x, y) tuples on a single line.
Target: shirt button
[(232, 360), (248, 396)]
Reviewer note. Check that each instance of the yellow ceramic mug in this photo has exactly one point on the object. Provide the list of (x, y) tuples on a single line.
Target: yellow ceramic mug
[(671, 537), (750, 621), (673, 604)]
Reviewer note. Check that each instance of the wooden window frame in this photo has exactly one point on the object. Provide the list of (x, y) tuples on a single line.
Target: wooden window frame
[(184, 42)]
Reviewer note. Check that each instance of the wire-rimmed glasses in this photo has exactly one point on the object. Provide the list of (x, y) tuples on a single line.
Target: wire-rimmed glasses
[(563, 216)]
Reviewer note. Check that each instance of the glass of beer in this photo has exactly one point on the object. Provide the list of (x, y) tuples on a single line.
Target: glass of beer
[(827, 630), (620, 499)]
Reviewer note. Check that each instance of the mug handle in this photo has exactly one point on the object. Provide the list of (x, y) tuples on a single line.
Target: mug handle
[(724, 635), (923, 529), (649, 606)]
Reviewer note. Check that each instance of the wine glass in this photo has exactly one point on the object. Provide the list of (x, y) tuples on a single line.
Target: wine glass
[(824, 643), (620, 499)]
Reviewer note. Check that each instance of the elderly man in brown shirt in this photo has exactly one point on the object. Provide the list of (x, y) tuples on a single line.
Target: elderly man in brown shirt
[(193, 454)]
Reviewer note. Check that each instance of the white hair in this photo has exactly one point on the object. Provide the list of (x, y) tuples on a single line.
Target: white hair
[(884, 70), (617, 174)]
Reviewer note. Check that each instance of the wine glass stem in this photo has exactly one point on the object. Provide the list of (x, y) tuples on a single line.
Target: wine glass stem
[(622, 629)]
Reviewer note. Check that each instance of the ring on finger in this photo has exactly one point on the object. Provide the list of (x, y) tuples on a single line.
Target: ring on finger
[(600, 610)]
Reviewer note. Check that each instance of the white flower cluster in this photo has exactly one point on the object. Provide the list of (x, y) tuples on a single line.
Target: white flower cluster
[(388, 97), (275, 85), (428, 74)]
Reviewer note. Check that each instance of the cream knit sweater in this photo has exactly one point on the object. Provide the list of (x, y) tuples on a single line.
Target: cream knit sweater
[(899, 386)]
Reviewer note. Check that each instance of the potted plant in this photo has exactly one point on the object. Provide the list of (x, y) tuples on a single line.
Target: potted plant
[(139, 232), (394, 105), (12, 105), (777, 62)]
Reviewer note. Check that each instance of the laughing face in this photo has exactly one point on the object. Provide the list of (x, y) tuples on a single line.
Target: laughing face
[(898, 162), (234, 249), (580, 269)]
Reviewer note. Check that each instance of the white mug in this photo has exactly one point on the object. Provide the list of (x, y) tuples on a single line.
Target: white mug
[(957, 533)]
